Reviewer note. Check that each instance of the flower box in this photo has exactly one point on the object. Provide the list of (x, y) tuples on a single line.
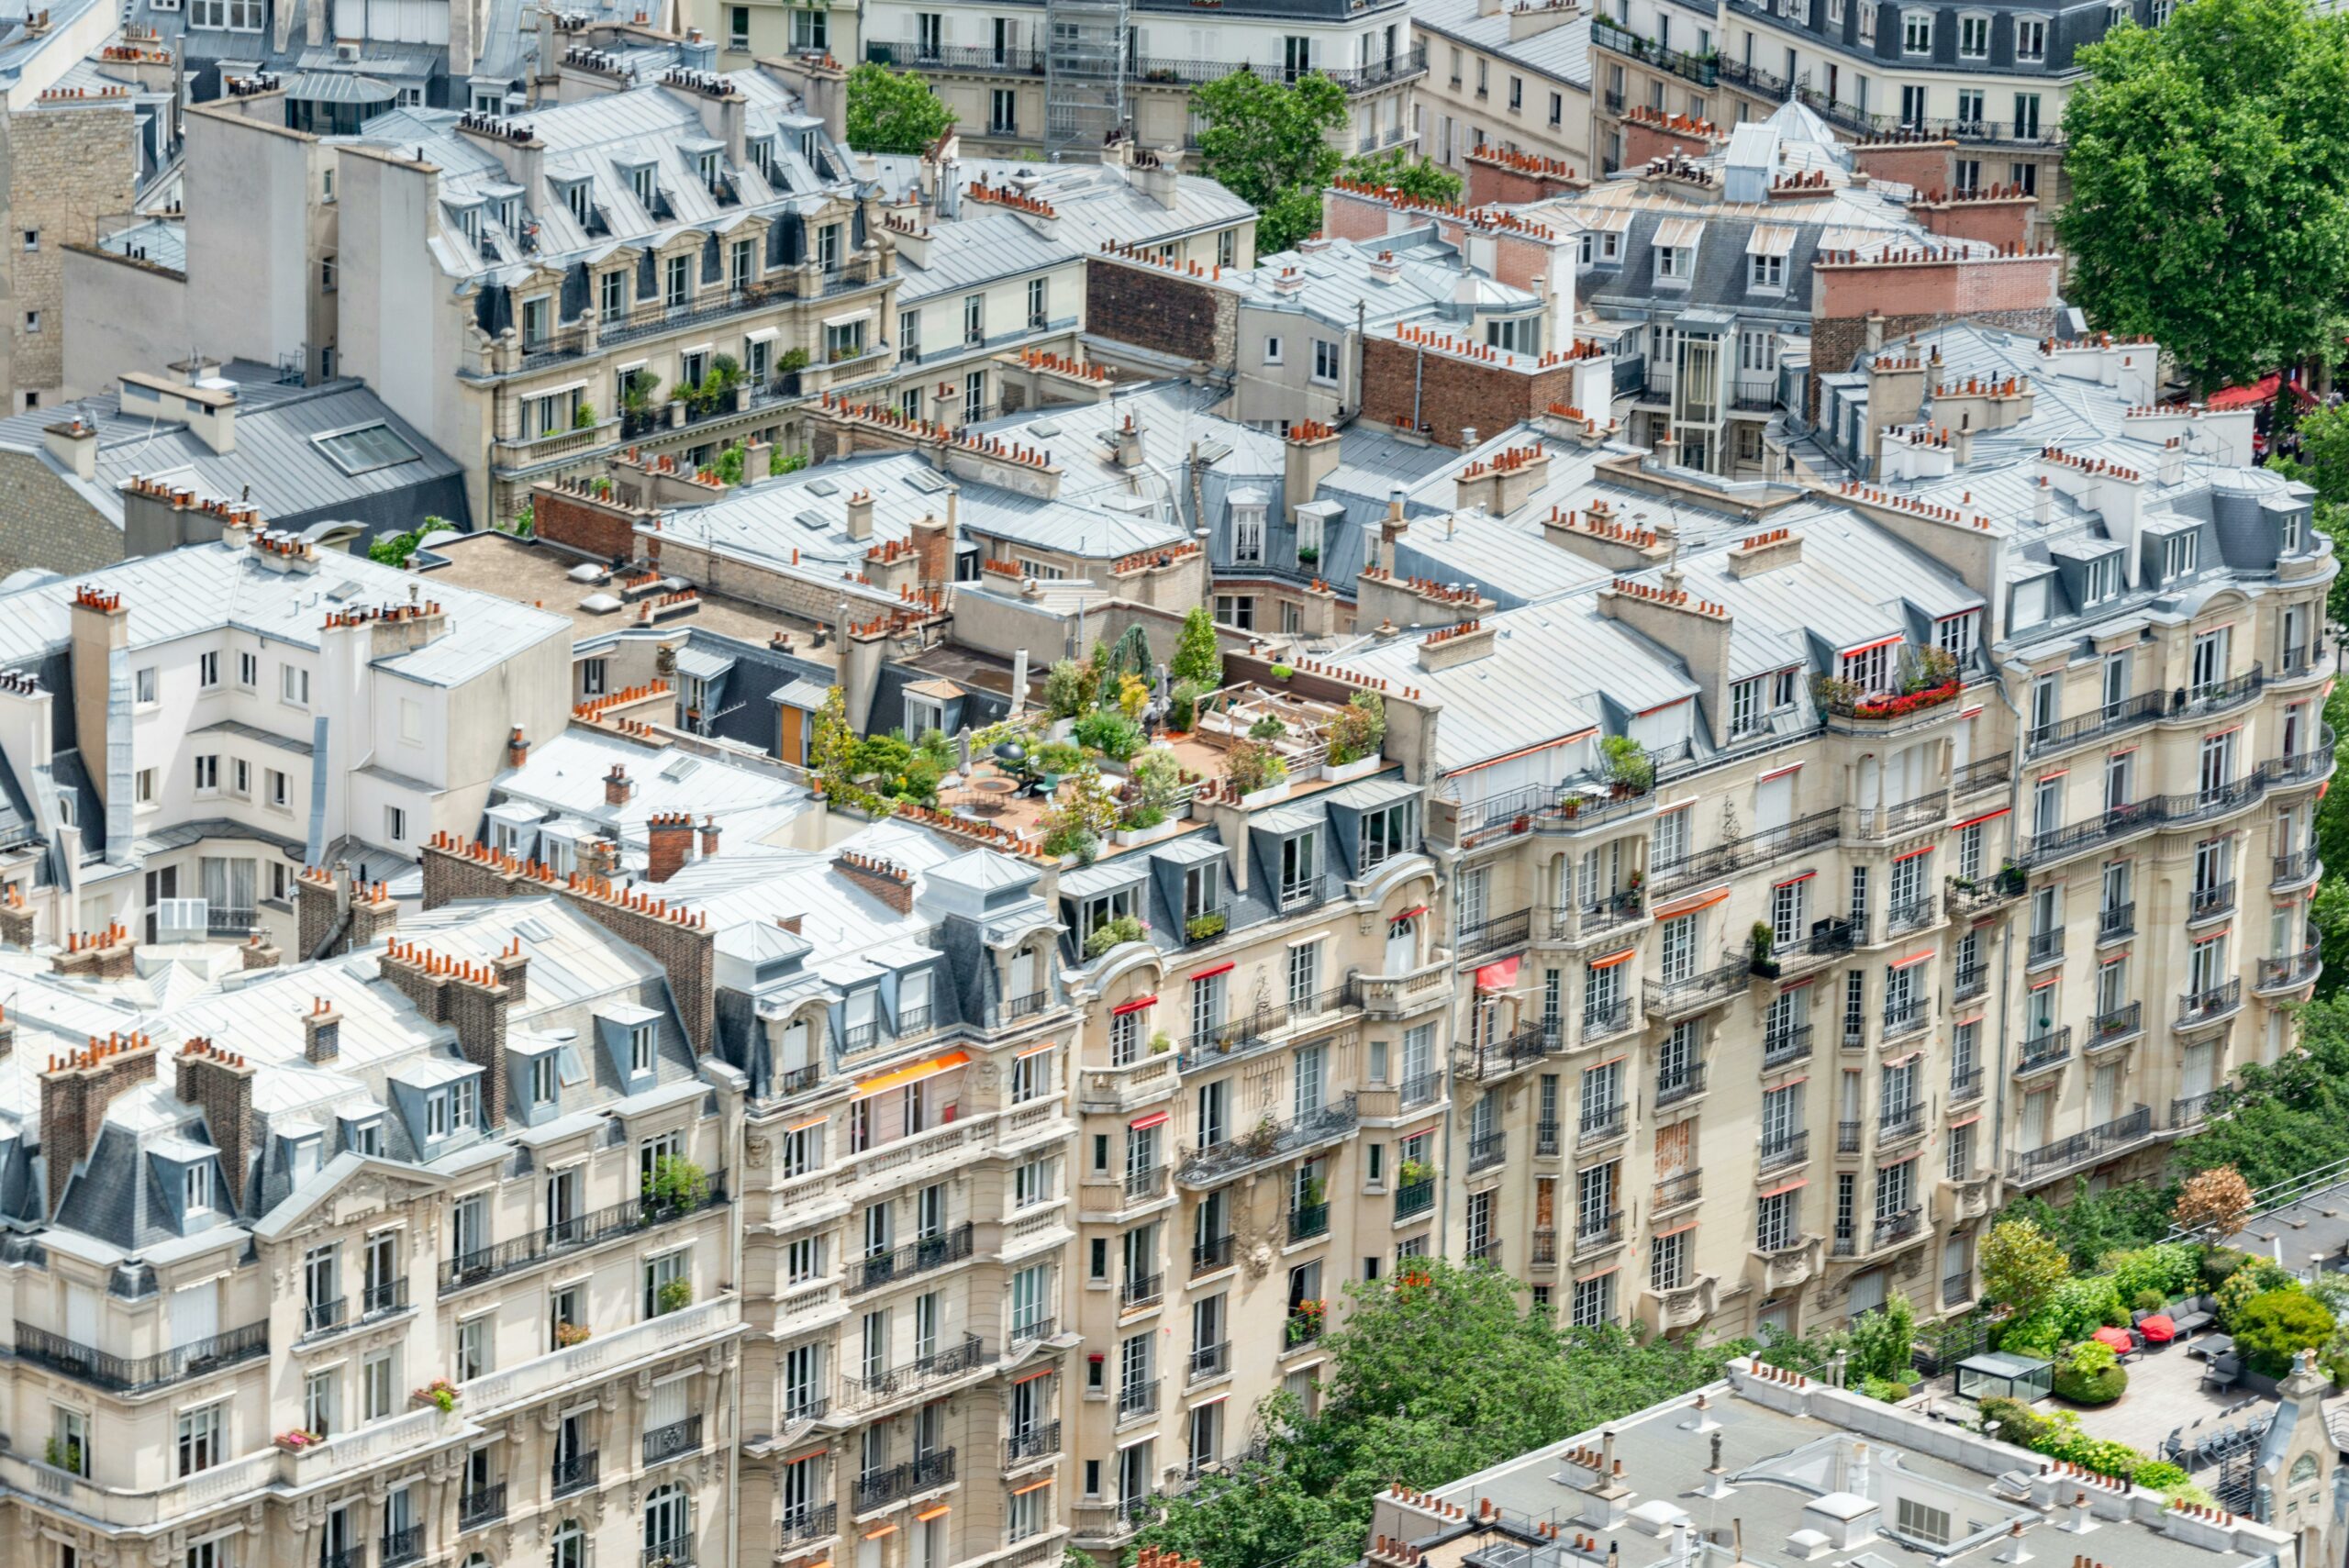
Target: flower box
[(1361, 767), (1271, 795), (1129, 837)]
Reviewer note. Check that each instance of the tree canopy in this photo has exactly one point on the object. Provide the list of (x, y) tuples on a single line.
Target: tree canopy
[(1268, 143), (893, 111), (2209, 161), (1435, 1375)]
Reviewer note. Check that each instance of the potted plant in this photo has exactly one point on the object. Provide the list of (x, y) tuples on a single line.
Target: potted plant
[(1256, 770), (1356, 733), (1628, 768), (569, 1334), (1113, 933), (65, 1453), (441, 1394), (292, 1441), (1306, 555), (1762, 964), (1283, 672), (1205, 928), (1261, 1138), (1411, 1173), (1160, 1044), (674, 1296), (675, 1185), (1183, 708)]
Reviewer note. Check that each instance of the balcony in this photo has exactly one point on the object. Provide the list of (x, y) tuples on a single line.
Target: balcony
[(1597, 1232), (1783, 1048), (1266, 1025), (1988, 773), (1875, 822), (806, 1522), (1414, 1198), (675, 1440), (485, 1506), (2209, 903), (2291, 970), (2197, 1007), (1850, 1137), (2046, 947), (1308, 1222), (677, 1551), (1903, 1018), (1030, 1444), (1206, 1257), (2042, 1051), (2118, 921), (1618, 912), (401, 1546), (2301, 865), (1792, 1149), (566, 1237), (2191, 1110), (2110, 719), (573, 1473), (1674, 1192), (2218, 696), (907, 1261), (1671, 1088), (137, 1374), (1755, 848), (1900, 1122), (1422, 1090), (1497, 1058), (1486, 1150), (1910, 915), (1965, 1085), (1602, 1019), (1892, 1229), (1701, 69), (1694, 993), (1826, 940), (1956, 1289), (905, 1479), (1304, 1325), (922, 1372), (1210, 1360), (2112, 1028), (1486, 1251), (2119, 823), (2035, 1166), (1499, 933), (1995, 891), (1142, 1290), (1543, 1254), (1602, 1125), (1972, 981), (1545, 1138), (1270, 1141)]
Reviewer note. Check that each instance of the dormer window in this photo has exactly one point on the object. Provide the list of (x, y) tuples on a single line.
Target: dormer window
[(1916, 32), (2178, 553), (450, 1111), (2031, 37), (1974, 37), (579, 196), (195, 1189), (707, 163), (543, 1081), (509, 215), (1201, 887), (469, 224), (2100, 580), (1672, 262), (1309, 533), (762, 150), (1386, 833), (1247, 531), (644, 182), (1300, 869), (643, 1048), (1767, 274), (367, 1137)]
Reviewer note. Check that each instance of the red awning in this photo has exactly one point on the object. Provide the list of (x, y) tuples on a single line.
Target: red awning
[(1155, 1119), (1497, 976), (1211, 972), (1413, 913), (2258, 392), (1136, 1006)]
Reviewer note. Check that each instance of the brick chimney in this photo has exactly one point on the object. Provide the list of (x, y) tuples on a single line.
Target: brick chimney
[(885, 879), (259, 955), (220, 1084), (75, 1090), (669, 837), (513, 967), (709, 838), (321, 1031), (617, 790), (109, 955), (374, 914), (517, 749), (470, 998), (16, 920)]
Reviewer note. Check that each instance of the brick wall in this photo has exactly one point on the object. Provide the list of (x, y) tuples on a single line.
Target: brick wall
[(1452, 394), (1923, 165), (67, 168), (2003, 221), (45, 523), (583, 523), (1492, 183), (221, 1086), (1141, 305)]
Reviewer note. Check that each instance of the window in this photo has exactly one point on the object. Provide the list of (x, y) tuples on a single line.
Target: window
[(378, 1377), (2178, 555), (200, 1434), (196, 1188), (294, 685), (1916, 32), (1032, 1076), (2031, 39), (474, 1346), (1236, 610), (396, 824), (1039, 296), (643, 1048), (249, 670), (143, 685), (32, 321), (143, 781), (1767, 272), (1272, 350), (1918, 1522), (1673, 263), (1973, 37), (803, 1151), (1325, 359), (1594, 1302)]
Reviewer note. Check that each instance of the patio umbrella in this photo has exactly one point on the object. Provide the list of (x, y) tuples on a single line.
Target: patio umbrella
[(2160, 1328), (2117, 1338)]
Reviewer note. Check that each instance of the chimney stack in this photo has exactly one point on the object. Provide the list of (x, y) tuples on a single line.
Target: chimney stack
[(220, 1084), (709, 838), (517, 749), (669, 837), (321, 1032), (75, 1090), (616, 788)]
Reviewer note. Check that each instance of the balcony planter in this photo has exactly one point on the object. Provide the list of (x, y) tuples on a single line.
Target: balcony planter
[(298, 1441), (1342, 773), (1129, 837), (1761, 965), (1271, 795), (1205, 928), (439, 1393)]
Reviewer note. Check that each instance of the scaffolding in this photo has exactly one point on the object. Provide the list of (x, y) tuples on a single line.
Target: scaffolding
[(1084, 75)]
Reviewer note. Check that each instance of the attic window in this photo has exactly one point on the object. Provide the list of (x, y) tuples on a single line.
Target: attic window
[(761, 150), (579, 196), (363, 449), (367, 1137), (2178, 555), (196, 1188), (645, 182), (2101, 579), (1672, 262)]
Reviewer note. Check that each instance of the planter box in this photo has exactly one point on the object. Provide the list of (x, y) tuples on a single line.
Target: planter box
[(1361, 767), (1271, 795), (1129, 837)]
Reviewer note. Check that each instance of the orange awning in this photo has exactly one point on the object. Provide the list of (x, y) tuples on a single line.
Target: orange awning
[(913, 1075)]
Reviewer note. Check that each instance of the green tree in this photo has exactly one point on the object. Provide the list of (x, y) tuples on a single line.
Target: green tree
[(893, 111), (392, 550), (2322, 464), (1268, 143), (2208, 160), (1199, 658), (2021, 1267), (2274, 1325), (1415, 177), (2088, 1225), (1434, 1375)]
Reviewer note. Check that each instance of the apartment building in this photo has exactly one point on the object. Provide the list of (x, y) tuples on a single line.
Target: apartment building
[(1121, 66), (1983, 825), (663, 261), (1663, 56), (439, 1256), (1507, 79), (1810, 1470), (186, 731), (1985, 87)]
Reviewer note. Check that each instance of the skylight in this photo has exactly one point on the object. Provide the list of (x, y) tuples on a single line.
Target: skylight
[(363, 449)]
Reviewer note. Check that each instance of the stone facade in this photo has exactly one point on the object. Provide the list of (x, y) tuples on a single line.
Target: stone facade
[(69, 163)]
